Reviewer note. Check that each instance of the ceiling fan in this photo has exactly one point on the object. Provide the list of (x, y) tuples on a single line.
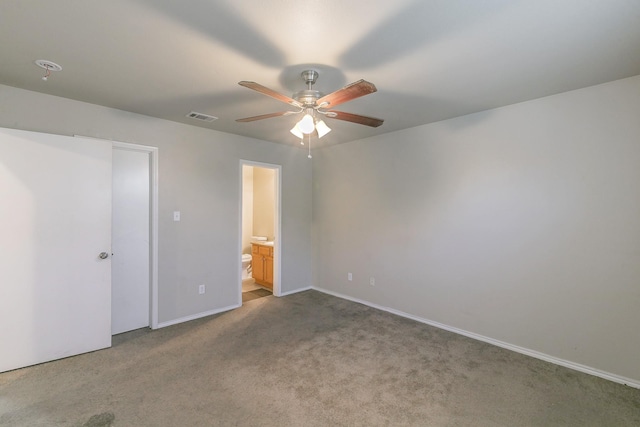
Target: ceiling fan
[(315, 104)]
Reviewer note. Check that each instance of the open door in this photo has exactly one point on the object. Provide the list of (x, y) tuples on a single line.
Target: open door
[(55, 235), (130, 240)]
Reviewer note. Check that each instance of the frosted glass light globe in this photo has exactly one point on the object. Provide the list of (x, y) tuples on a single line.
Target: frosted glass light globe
[(306, 125)]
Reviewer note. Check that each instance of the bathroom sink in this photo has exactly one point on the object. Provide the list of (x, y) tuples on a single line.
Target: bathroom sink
[(268, 243)]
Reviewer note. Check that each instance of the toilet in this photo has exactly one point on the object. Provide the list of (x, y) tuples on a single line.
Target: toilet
[(246, 266)]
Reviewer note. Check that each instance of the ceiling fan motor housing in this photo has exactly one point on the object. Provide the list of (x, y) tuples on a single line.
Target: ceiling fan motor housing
[(307, 97)]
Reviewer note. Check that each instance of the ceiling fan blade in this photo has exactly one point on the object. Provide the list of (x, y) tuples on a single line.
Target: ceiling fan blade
[(266, 116), (347, 93), (355, 118), (272, 93)]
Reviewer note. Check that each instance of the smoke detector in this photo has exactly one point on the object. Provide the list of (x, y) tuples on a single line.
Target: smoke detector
[(49, 66)]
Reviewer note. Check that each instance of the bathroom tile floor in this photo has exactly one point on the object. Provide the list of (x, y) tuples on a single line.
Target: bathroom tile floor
[(255, 294), (250, 285)]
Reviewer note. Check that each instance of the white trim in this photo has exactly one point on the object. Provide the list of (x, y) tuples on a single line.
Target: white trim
[(155, 190), (277, 268), (153, 154), (197, 316), (295, 291), (277, 247), (522, 350)]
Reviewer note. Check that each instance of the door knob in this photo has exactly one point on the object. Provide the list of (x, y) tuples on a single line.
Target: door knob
[(103, 255)]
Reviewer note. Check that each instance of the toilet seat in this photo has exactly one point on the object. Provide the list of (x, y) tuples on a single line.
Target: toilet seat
[(246, 257)]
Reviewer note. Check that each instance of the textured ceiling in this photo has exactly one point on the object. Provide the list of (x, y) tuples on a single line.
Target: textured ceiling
[(430, 59)]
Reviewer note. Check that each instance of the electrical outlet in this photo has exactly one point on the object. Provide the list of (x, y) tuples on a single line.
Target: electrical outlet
[(349, 277), (372, 281), (176, 216), (201, 289)]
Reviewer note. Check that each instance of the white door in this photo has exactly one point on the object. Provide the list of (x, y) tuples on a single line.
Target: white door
[(55, 221), (130, 240)]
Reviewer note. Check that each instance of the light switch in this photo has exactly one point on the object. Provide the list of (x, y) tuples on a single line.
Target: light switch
[(176, 215)]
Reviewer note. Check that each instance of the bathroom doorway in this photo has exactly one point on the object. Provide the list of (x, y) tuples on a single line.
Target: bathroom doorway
[(259, 231)]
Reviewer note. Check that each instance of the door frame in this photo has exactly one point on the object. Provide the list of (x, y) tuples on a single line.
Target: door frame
[(277, 226), (153, 224)]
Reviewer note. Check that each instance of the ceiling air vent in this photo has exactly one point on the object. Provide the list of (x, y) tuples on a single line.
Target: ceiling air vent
[(201, 116)]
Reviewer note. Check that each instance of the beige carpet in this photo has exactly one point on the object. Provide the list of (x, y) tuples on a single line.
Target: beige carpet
[(308, 359)]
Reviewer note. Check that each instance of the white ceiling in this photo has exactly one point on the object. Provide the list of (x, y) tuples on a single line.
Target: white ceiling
[(430, 59)]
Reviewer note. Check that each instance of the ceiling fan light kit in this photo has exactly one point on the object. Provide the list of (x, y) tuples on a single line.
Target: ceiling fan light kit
[(322, 128), (306, 124), (294, 130), (312, 103)]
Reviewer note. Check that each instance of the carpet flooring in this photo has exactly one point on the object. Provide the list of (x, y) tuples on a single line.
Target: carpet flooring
[(308, 359)]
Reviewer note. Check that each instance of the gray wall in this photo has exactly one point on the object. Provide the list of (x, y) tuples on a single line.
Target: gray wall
[(519, 224), (200, 176)]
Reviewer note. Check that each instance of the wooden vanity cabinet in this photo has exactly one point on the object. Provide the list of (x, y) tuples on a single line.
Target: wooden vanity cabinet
[(262, 264)]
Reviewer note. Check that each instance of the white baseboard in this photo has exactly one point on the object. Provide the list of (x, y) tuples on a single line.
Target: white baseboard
[(532, 353), (197, 316), (295, 291)]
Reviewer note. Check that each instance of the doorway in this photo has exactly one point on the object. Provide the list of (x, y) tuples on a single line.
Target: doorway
[(259, 230), (134, 238)]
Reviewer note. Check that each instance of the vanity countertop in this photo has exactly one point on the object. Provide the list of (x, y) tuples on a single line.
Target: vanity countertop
[(263, 243)]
